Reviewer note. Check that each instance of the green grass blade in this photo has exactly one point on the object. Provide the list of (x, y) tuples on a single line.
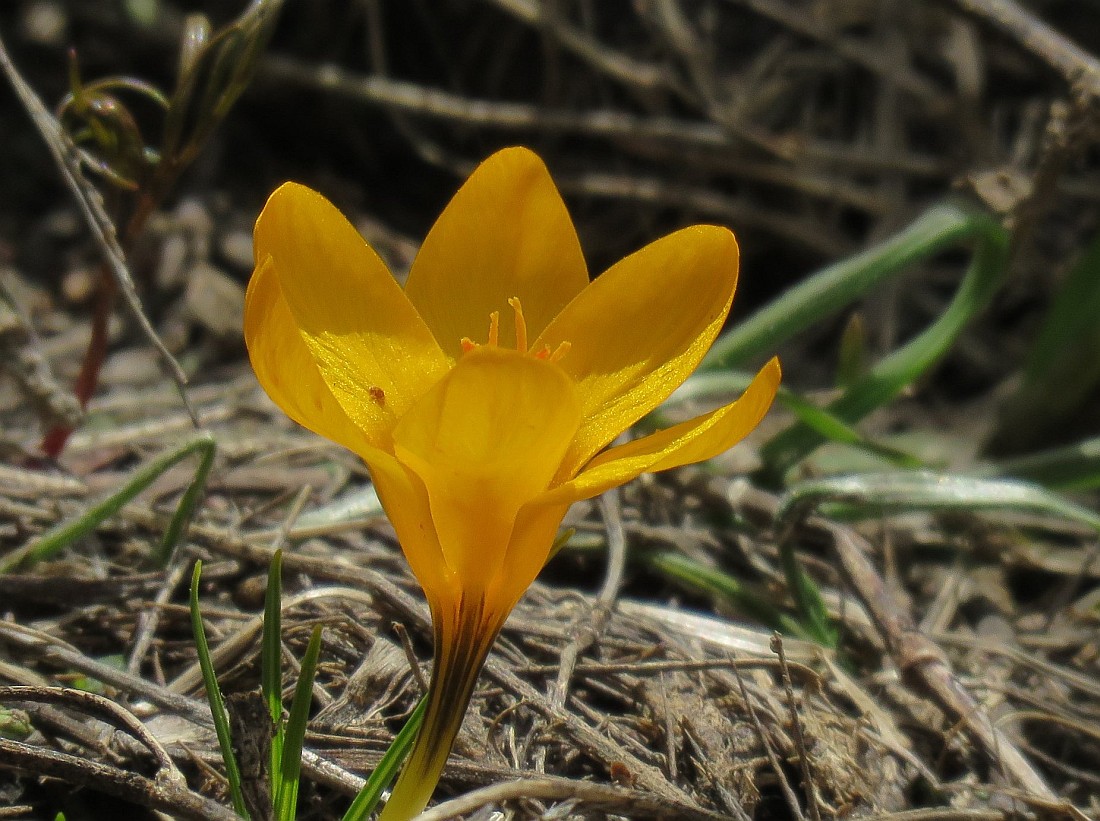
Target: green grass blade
[(206, 447), (1073, 467), (290, 768), (388, 767), (271, 668), (724, 385), (873, 494), (62, 535), (694, 576), (832, 428), (852, 357), (867, 495), (829, 290), (807, 598), (900, 368), (214, 697), (1063, 366), (1071, 317)]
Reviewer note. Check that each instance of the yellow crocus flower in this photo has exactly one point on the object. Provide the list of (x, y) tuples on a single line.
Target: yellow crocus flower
[(482, 396)]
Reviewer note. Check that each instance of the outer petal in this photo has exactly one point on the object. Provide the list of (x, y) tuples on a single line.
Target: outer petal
[(405, 500), (284, 365), (372, 349), (533, 536), (640, 329), (506, 233), (693, 441), (486, 440), (286, 370)]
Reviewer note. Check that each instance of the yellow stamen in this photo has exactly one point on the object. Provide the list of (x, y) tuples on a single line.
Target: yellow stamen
[(494, 328), (560, 351), (521, 325), (467, 344)]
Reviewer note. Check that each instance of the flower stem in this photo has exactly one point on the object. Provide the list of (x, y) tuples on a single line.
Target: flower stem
[(462, 641)]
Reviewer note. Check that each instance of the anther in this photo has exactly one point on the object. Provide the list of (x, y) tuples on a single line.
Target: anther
[(560, 351), (494, 328), (521, 325), (467, 344)]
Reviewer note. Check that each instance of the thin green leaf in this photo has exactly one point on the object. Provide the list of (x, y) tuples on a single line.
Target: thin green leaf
[(853, 352), (1073, 467), (1063, 366), (807, 597), (840, 284), (723, 385), (903, 366), (271, 668), (214, 698), (64, 534), (690, 574), (214, 72), (872, 494), (286, 805), (388, 767), (206, 447), (834, 429)]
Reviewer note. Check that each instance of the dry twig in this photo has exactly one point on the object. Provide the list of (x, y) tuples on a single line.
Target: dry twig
[(91, 206)]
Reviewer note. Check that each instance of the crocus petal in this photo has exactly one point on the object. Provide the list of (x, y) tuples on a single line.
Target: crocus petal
[(285, 368), (284, 365), (693, 441), (639, 330), (372, 349), (533, 537), (506, 233), (406, 502), (485, 440)]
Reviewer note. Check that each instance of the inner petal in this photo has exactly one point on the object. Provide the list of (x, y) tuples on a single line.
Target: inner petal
[(505, 233), (485, 440)]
